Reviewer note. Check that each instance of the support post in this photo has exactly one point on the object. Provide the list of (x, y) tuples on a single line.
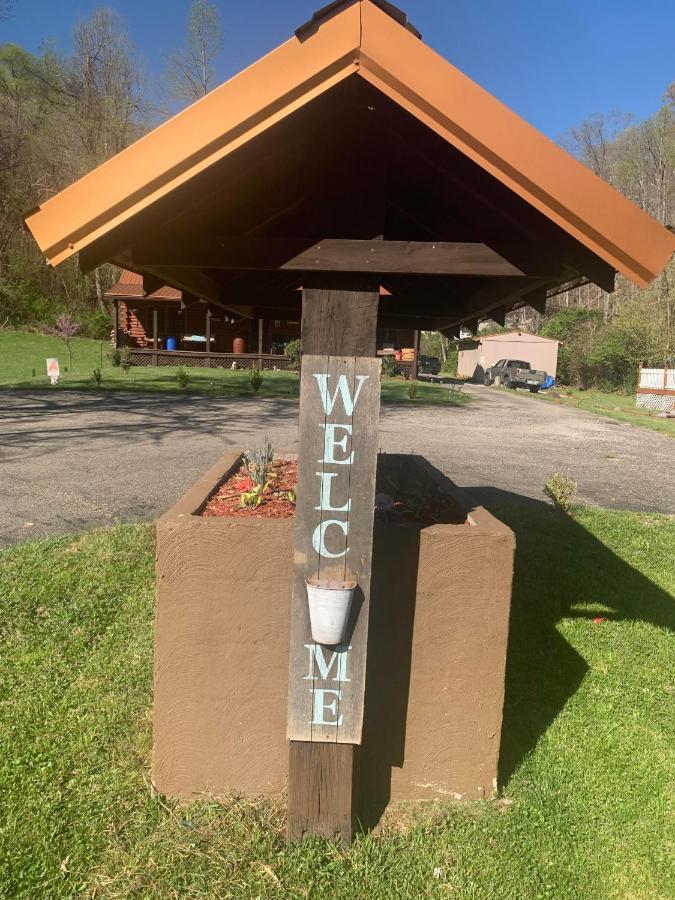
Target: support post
[(154, 336), (416, 346), (116, 323), (260, 342), (336, 323), (207, 330)]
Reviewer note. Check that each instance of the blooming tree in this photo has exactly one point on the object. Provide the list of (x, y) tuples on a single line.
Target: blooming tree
[(66, 329)]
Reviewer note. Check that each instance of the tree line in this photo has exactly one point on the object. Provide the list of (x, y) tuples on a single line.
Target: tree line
[(606, 337), (62, 114)]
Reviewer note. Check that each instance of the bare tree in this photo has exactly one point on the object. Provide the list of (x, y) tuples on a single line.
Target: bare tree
[(190, 71)]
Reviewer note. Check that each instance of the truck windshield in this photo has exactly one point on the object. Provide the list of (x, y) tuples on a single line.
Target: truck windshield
[(519, 363)]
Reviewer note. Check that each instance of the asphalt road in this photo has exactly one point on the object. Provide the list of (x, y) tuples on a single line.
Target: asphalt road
[(75, 460)]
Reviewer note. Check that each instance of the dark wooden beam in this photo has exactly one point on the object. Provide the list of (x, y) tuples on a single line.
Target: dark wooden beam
[(492, 296), (321, 790), (151, 283), (492, 209), (322, 774), (345, 322), (330, 255)]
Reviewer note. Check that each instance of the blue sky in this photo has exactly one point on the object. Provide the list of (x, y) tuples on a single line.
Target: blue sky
[(554, 63)]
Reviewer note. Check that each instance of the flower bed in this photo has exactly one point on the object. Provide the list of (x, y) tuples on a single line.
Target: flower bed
[(275, 502), (438, 630), (403, 496)]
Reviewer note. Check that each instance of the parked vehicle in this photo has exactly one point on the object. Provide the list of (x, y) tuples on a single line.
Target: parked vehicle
[(513, 373), (429, 365)]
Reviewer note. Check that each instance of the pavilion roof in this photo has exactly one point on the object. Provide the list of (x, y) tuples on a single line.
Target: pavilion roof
[(353, 128)]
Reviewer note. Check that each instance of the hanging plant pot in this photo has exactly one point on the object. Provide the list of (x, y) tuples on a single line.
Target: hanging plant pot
[(329, 605)]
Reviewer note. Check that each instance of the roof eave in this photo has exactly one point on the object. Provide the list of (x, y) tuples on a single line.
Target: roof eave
[(199, 136), (506, 146), (361, 38)]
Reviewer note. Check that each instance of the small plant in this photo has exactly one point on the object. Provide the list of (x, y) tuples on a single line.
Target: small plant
[(257, 462), (115, 357), (412, 390), (34, 373), (389, 367), (256, 380), (293, 350), (125, 359), (98, 378), (291, 497), (562, 490), (182, 377)]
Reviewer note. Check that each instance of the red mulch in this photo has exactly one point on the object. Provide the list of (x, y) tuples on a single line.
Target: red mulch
[(227, 499), (423, 508)]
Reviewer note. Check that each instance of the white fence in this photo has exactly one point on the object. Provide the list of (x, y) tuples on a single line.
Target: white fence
[(663, 379), (656, 389)]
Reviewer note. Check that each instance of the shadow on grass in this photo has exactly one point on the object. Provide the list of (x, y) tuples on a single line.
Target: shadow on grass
[(561, 571)]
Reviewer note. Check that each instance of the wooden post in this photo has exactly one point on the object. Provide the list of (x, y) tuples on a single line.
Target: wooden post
[(208, 337), (116, 323), (260, 342), (416, 360), (324, 719), (154, 336)]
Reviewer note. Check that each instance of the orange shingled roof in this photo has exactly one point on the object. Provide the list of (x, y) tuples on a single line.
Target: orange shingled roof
[(131, 285), (360, 38)]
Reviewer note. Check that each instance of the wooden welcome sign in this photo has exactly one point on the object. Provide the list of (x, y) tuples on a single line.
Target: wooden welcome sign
[(339, 410)]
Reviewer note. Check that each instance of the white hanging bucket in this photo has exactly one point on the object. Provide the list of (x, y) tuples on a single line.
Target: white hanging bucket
[(329, 605)]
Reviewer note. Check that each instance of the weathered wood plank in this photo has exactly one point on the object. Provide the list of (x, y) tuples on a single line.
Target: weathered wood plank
[(333, 541), (321, 788), (342, 323), (331, 255)]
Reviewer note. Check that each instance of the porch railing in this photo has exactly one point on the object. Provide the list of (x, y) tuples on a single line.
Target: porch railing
[(270, 362), (203, 359)]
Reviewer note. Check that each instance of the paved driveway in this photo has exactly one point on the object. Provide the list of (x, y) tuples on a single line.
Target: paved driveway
[(70, 461)]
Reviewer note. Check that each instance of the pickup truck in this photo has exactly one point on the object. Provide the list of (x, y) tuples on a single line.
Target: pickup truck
[(513, 373)]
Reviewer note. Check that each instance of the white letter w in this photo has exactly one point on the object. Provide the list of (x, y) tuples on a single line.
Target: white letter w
[(342, 389)]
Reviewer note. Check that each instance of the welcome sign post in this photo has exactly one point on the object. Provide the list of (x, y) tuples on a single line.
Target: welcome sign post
[(333, 541), (339, 411)]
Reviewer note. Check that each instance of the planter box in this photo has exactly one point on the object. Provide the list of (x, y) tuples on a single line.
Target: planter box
[(436, 654)]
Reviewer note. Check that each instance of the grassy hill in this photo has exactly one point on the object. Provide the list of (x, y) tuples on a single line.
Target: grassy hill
[(23, 366)]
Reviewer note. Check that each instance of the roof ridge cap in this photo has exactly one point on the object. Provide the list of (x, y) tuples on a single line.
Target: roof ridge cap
[(332, 9)]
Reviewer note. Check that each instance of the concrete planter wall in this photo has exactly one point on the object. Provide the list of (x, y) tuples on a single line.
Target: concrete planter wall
[(436, 655)]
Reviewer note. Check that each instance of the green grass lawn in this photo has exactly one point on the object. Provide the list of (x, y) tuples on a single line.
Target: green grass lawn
[(22, 354), (588, 765), (615, 405)]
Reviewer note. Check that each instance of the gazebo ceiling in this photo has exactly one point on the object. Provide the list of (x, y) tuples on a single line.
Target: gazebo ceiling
[(354, 131)]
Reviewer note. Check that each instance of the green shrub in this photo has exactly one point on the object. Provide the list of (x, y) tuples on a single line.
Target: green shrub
[(98, 378), (293, 350), (412, 389), (389, 367), (115, 357), (256, 380), (95, 323), (125, 359), (562, 490), (182, 377), (449, 365)]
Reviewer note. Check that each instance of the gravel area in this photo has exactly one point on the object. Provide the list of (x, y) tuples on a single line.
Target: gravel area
[(75, 460)]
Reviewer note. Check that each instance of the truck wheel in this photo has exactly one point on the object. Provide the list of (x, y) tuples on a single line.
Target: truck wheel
[(512, 385), (486, 381), (534, 388)]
